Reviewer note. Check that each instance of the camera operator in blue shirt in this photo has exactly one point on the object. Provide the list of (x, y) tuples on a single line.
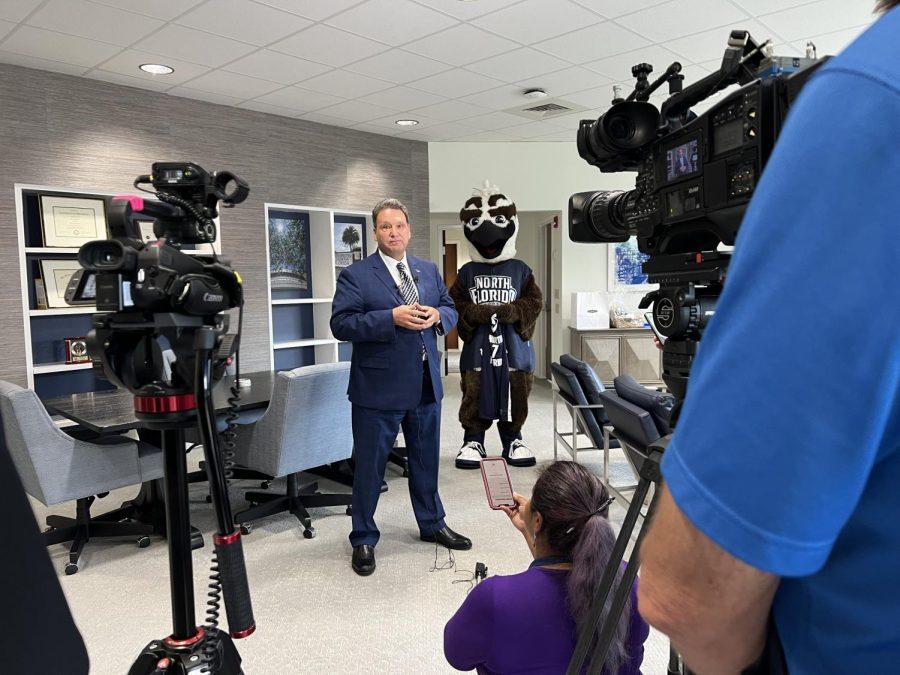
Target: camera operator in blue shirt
[(782, 483)]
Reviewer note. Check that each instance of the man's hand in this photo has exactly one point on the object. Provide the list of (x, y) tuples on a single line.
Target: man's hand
[(411, 317), (429, 314)]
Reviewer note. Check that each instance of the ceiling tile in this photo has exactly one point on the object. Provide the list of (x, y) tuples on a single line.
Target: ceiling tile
[(41, 64), (534, 20), (518, 64), (492, 121), (759, 7), (402, 98), (16, 10), (450, 111), (825, 16), (354, 111), (259, 106), (277, 67), (311, 9), (243, 20), (593, 42), (467, 10), (390, 122), (535, 129), (829, 43), (712, 43), (319, 118), (161, 9), (555, 137), (618, 67), (564, 81), (241, 87), (5, 28), (395, 22), (447, 130), (456, 83), (128, 63), (375, 129), (130, 81), (45, 44), (96, 22), (345, 84), (398, 66), (195, 46), (497, 98), (613, 8), (325, 44), (301, 100), (210, 97), (460, 45), (596, 97), (682, 17)]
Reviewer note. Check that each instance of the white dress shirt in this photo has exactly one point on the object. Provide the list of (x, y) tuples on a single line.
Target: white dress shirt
[(392, 268)]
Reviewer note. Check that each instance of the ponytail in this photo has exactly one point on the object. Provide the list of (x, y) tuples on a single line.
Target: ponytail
[(589, 558), (574, 505)]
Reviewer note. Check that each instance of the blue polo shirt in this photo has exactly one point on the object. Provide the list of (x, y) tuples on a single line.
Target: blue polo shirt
[(787, 454)]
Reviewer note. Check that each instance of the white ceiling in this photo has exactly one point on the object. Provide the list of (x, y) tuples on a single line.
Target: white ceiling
[(453, 65)]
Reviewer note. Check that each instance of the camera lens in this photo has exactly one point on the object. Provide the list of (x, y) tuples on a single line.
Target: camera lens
[(620, 128)]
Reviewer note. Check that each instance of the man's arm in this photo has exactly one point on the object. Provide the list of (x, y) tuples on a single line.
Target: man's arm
[(445, 307), (712, 606), (349, 320)]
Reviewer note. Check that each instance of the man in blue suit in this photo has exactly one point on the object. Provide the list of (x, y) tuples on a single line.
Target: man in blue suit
[(392, 307)]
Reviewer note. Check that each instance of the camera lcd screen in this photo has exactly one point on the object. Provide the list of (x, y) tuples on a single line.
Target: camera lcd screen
[(682, 160), (89, 289), (728, 136)]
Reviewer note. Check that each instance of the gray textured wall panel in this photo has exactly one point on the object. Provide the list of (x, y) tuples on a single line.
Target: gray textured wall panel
[(67, 131)]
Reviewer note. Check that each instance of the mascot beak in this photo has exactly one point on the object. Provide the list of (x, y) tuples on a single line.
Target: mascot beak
[(489, 240)]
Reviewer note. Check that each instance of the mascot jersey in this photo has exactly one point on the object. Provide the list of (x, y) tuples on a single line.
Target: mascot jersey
[(497, 284)]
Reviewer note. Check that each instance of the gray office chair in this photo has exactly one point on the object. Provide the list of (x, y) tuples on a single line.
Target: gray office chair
[(307, 425), (55, 467)]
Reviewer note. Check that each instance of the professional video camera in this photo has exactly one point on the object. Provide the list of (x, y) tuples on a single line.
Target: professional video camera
[(163, 335), (695, 175)]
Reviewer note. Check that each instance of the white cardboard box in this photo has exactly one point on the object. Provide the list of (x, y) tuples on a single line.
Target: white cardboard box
[(589, 310)]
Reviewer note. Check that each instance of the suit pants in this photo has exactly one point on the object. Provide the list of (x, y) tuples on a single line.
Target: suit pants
[(374, 433)]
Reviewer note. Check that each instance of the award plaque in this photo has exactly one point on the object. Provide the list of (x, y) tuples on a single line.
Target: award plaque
[(76, 350)]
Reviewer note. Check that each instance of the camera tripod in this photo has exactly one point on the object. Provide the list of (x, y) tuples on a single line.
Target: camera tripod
[(191, 648), (649, 474)]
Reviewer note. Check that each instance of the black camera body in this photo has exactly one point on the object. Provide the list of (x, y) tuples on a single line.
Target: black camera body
[(695, 177)]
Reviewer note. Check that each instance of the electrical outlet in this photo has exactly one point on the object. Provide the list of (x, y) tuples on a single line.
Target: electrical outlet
[(556, 294)]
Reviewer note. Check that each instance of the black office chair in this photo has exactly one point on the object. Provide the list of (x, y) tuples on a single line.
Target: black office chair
[(639, 418)]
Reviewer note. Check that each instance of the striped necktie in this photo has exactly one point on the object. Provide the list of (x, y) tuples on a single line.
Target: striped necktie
[(407, 287)]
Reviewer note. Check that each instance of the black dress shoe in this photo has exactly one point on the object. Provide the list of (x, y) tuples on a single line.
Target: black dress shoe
[(447, 537), (364, 560)]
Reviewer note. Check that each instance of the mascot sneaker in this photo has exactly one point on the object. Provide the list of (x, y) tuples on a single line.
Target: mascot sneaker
[(470, 455), (519, 455)]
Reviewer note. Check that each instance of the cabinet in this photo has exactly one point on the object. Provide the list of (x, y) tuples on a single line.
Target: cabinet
[(625, 351), (307, 247)]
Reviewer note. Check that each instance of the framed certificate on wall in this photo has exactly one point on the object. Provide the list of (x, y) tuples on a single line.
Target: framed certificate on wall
[(56, 275), (69, 222)]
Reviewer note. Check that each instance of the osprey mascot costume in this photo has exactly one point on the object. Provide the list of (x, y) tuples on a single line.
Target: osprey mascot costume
[(498, 303)]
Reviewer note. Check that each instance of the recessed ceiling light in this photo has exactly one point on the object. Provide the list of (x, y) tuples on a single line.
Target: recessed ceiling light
[(156, 68), (406, 123), (535, 93)]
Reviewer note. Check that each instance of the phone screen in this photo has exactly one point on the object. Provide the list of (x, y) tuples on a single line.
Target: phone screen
[(496, 482)]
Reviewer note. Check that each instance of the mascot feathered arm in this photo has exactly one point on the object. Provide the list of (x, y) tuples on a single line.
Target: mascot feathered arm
[(524, 311)]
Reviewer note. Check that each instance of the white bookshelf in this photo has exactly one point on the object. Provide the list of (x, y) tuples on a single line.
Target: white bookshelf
[(300, 326), (47, 329)]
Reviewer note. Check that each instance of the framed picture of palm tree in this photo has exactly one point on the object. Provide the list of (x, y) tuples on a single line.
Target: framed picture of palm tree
[(349, 241)]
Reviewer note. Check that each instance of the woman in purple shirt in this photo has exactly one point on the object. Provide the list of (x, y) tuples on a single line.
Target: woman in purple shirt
[(527, 622)]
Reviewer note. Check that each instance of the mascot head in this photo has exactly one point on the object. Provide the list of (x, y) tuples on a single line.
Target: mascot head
[(490, 224)]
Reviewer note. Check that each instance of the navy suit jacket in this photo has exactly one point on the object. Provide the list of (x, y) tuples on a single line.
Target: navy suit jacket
[(386, 368)]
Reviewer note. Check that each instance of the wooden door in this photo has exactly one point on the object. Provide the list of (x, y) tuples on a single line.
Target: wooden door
[(450, 268)]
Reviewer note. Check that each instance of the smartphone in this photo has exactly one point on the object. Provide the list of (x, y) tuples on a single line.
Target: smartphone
[(659, 336), (497, 485)]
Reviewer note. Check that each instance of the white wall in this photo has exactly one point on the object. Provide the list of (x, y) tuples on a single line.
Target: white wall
[(537, 177)]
